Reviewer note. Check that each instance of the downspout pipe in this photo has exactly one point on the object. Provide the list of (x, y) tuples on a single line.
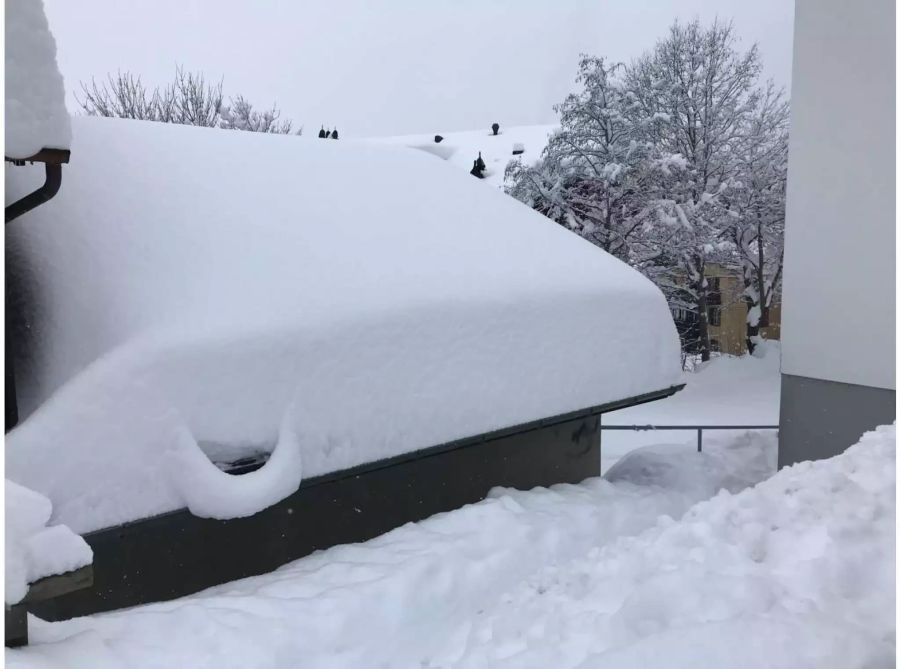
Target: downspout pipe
[(53, 160)]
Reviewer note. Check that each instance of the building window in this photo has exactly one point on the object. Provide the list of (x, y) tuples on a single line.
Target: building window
[(713, 291), (714, 315), (714, 346)]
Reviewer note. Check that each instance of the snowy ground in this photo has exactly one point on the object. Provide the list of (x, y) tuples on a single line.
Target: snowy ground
[(727, 391), (614, 572)]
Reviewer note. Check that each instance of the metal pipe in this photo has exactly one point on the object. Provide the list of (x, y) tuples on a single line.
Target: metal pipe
[(643, 428), (40, 196), (53, 160)]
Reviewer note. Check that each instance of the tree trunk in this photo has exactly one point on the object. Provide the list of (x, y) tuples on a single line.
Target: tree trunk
[(761, 296), (752, 330), (703, 313)]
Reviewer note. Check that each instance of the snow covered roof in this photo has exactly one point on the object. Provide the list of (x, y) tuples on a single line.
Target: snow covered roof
[(461, 149), (198, 291), (36, 116)]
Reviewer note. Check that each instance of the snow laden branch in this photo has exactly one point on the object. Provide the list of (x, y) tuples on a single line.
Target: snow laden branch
[(672, 163)]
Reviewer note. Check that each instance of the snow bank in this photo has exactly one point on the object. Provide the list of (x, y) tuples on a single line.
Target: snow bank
[(191, 288), (796, 572), (36, 116), (461, 149), (33, 550), (410, 598), (730, 464)]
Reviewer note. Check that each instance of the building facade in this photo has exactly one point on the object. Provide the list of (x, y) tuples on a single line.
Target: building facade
[(838, 336), (726, 314)]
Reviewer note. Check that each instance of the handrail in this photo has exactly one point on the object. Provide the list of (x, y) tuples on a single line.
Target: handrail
[(698, 428)]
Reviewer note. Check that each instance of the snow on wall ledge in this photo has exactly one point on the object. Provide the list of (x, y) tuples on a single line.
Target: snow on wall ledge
[(34, 551), (195, 288), (36, 116)]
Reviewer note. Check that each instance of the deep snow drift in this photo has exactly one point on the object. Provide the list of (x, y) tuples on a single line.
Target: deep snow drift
[(32, 549), (797, 572), (36, 116), (196, 288), (461, 149)]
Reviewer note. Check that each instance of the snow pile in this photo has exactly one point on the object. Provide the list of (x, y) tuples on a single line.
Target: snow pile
[(461, 149), (728, 390), (733, 467), (345, 301), (411, 598), (797, 572), (36, 116), (32, 549)]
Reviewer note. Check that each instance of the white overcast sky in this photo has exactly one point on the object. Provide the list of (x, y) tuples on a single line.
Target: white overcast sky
[(396, 66)]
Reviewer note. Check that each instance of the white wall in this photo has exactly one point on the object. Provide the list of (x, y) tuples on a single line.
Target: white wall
[(839, 287)]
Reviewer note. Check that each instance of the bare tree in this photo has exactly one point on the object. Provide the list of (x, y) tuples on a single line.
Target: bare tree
[(188, 100), (122, 96), (240, 115)]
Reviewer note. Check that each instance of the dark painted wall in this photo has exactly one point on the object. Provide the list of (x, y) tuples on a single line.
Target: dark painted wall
[(177, 553), (820, 418)]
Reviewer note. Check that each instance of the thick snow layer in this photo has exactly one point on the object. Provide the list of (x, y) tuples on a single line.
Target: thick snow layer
[(191, 288), (33, 550), (36, 116), (416, 597), (461, 149), (797, 572), (728, 390)]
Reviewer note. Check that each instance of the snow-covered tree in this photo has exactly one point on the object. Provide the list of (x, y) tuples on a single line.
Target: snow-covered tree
[(756, 203), (653, 163), (595, 173), (703, 91)]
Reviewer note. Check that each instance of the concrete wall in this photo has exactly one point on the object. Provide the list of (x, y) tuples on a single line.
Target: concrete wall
[(838, 332), (820, 419), (839, 290)]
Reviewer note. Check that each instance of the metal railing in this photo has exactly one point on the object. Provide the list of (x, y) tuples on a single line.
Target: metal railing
[(698, 428)]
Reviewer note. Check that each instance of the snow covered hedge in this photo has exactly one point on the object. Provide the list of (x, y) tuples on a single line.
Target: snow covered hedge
[(36, 116), (192, 290)]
